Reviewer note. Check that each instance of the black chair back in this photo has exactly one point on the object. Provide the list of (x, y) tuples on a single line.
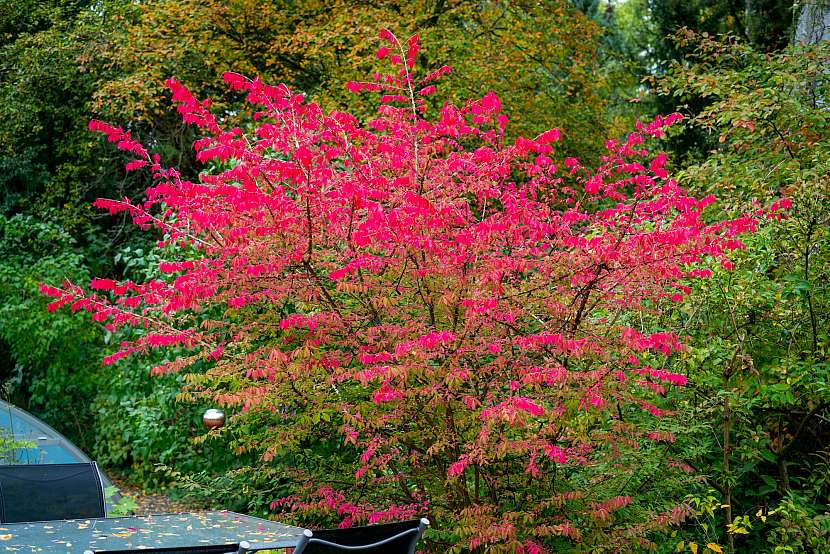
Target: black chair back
[(214, 549), (45, 492), (388, 538)]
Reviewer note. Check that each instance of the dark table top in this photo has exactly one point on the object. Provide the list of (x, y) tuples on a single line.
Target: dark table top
[(144, 532)]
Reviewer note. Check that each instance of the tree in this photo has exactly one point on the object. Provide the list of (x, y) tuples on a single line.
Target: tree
[(49, 67), (813, 22), (51, 169), (760, 331), (38, 361), (540, 57), (653, 46), (415, 314)]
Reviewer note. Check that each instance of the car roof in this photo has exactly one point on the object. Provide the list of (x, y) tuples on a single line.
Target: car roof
[(30, 440)]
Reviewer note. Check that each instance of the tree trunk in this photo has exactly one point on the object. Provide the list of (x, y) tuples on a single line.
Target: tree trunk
[(813, 22)]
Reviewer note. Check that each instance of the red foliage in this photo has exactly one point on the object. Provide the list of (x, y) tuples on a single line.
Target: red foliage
[(476, 315)]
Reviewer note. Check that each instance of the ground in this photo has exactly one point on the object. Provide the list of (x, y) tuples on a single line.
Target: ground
[(151, 503)]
